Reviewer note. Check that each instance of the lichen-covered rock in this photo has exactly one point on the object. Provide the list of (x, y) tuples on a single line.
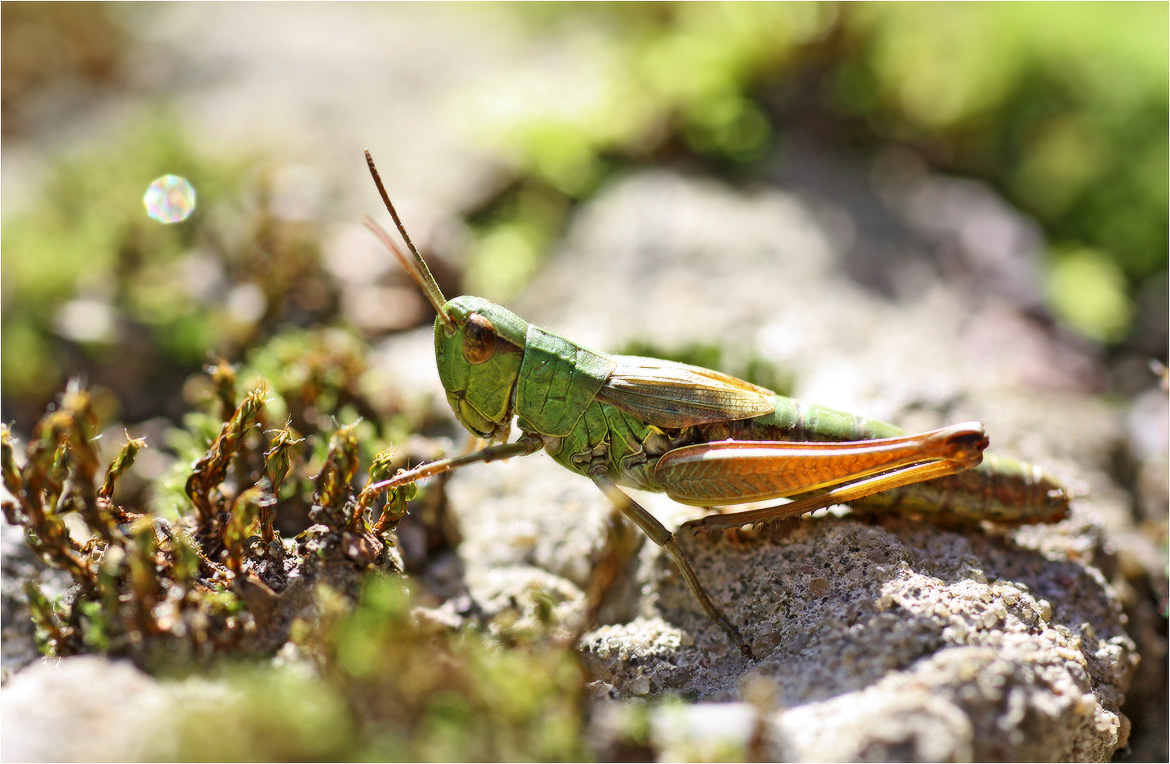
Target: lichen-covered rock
[(872, 632), (859, 626)]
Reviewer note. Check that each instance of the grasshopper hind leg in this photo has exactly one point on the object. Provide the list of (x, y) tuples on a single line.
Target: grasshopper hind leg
[(658, 533)]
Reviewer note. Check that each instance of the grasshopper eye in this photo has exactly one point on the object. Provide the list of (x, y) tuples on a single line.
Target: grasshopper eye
[(479, 339)]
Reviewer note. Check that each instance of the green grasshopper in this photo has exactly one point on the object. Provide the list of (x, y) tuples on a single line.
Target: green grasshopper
[(702, 437)]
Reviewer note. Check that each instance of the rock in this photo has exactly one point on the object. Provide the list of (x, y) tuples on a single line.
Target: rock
[(960, 704), (856, 623), (887, 638), (84, 708)]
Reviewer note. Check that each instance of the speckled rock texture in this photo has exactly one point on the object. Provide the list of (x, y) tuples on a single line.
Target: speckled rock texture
[(877, 638)]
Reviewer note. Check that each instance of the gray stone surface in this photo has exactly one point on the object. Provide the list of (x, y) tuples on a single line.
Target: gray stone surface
[(892, 638), (84, 708)]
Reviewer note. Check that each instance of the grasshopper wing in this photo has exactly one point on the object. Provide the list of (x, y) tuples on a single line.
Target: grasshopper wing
[(673, 395)]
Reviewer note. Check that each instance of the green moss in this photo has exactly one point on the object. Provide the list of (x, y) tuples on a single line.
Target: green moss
[(245, 712), (411, 694), (200, 594), (205, 580)]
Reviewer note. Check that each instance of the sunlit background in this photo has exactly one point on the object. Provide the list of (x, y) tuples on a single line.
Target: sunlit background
[(507, 116)]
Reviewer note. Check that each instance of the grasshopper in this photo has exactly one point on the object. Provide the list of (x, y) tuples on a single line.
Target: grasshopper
[(702, 437)]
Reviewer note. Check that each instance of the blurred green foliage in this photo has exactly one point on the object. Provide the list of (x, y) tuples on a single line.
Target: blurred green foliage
[(450, 697), (89, 236), (512, 237), (661, 74), (660, 71), (1062, 106), (87, 275), (249, 712)]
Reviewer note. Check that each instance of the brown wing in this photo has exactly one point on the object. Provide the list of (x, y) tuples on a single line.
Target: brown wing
[(674, 395)]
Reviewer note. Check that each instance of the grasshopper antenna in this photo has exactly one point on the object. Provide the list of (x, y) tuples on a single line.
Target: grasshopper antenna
[(417, 268)]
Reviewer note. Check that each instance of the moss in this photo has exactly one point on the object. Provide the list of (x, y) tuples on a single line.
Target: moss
[(212, 579), (385, 690), (450, 696)]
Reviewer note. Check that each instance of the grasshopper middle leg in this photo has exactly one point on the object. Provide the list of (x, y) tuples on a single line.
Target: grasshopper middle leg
[(658, 533)]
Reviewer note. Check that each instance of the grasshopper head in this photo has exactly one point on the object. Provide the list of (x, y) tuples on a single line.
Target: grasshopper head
[(479, 362), (478, 344)]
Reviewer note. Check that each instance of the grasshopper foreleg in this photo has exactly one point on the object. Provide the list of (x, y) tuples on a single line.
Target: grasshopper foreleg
[(658, 533), (527, 444)]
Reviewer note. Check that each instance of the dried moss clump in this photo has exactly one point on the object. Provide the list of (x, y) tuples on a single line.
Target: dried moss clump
[(217, 580), (216, 586)]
